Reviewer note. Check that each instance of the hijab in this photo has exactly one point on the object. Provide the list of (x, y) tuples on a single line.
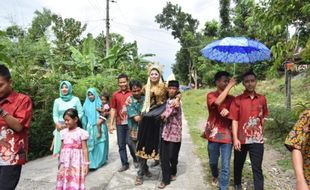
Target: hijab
[(69, 95), (89, 107)]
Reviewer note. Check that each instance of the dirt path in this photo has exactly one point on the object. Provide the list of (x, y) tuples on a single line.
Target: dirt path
[(41, 173)]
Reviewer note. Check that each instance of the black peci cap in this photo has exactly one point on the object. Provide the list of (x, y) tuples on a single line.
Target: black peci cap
[(173, 83)]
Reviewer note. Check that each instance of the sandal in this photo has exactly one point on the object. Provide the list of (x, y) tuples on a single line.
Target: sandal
[(161, 185), (139, 181)]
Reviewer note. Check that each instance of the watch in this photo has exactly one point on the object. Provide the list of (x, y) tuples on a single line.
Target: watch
[(3, 113)]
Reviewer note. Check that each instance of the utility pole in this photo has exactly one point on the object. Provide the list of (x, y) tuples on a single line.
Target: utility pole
[(107, 24)]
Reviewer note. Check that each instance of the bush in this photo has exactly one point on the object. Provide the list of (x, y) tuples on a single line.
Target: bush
[(42, 92), (281, 121)]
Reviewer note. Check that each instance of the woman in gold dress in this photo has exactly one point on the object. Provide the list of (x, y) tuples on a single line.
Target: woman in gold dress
[(149, 132)]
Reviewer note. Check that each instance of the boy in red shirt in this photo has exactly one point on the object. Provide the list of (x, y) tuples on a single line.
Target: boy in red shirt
[(248, 112), (218, 129)]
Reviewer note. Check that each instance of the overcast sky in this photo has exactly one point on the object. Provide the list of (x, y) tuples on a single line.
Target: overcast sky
[(133, 19)]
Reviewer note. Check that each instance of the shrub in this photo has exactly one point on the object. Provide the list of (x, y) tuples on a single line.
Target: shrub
[(281, 121)]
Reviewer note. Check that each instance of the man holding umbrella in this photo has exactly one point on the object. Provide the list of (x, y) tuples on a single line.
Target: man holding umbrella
[(218, 129)]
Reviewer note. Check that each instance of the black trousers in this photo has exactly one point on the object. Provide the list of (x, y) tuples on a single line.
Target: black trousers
[(9, 176), (143, 167), (256, 151), (169, 153)]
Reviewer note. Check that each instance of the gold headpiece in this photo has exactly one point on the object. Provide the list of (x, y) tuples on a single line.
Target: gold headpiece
[(156, 66)]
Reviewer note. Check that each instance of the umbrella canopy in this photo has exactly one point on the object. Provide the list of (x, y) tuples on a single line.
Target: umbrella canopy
[(236, 50)]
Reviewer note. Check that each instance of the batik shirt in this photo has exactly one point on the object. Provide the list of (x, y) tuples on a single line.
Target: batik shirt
[(250, 114), (218, 128), (299, 138), (172, 129), (14, 145), (118, 102), (134, 109)]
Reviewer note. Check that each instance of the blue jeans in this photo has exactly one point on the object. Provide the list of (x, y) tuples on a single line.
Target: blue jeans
[(123, 138), (215, 150)]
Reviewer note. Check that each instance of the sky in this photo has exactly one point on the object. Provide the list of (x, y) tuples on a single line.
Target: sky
[(133, 19)]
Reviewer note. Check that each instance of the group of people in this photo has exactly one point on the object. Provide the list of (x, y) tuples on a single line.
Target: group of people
[(237, 122), (81, 137), (149, 121)]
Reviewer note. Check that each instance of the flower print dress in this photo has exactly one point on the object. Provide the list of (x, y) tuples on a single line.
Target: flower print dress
[(71, 162)]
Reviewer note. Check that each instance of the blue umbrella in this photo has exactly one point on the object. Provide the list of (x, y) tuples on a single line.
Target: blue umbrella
[(236, 50)]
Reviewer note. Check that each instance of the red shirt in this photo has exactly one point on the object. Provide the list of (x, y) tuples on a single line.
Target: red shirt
[(250, 114), (118, 101), (218, 128), (14, 145)]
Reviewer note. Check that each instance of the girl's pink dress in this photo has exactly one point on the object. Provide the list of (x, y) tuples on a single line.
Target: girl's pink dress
[(71, 162)]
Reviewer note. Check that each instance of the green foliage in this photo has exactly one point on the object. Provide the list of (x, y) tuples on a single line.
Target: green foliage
[(173, 18), (67, 32), (183, 27), (102, 82), (225, 28), (40, 24), (305, 54), (282, 123), (211, 28), (38, 64), (267, 21)]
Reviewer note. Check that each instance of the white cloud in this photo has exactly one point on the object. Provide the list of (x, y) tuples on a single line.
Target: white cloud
[(134, 19)]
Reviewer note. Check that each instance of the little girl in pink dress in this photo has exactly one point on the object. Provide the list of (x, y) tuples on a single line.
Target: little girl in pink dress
[(73, 161)]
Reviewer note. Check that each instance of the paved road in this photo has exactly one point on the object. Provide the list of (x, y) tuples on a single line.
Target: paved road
[(41, 173)]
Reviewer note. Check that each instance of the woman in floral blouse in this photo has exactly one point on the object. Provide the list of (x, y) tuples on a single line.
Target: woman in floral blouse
[(298, 143)]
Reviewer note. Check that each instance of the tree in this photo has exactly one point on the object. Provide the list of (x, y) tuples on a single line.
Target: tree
[(67, 32), (183, 27), (225, 28), (211, 28), (274, 19), (40, 24), (172, 18), (15, 32), (85, 62), (243, 26)]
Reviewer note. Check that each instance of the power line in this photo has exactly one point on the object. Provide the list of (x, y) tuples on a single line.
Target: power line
[(140, 26), (153, 40), (96, 8)]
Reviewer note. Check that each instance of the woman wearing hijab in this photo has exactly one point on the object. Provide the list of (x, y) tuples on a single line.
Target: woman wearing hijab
[(98, 141), (150, 126), (65, 101)]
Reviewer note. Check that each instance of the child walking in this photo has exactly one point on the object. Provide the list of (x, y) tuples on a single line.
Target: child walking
[(103, 111), (171, 136), (73, 161)]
